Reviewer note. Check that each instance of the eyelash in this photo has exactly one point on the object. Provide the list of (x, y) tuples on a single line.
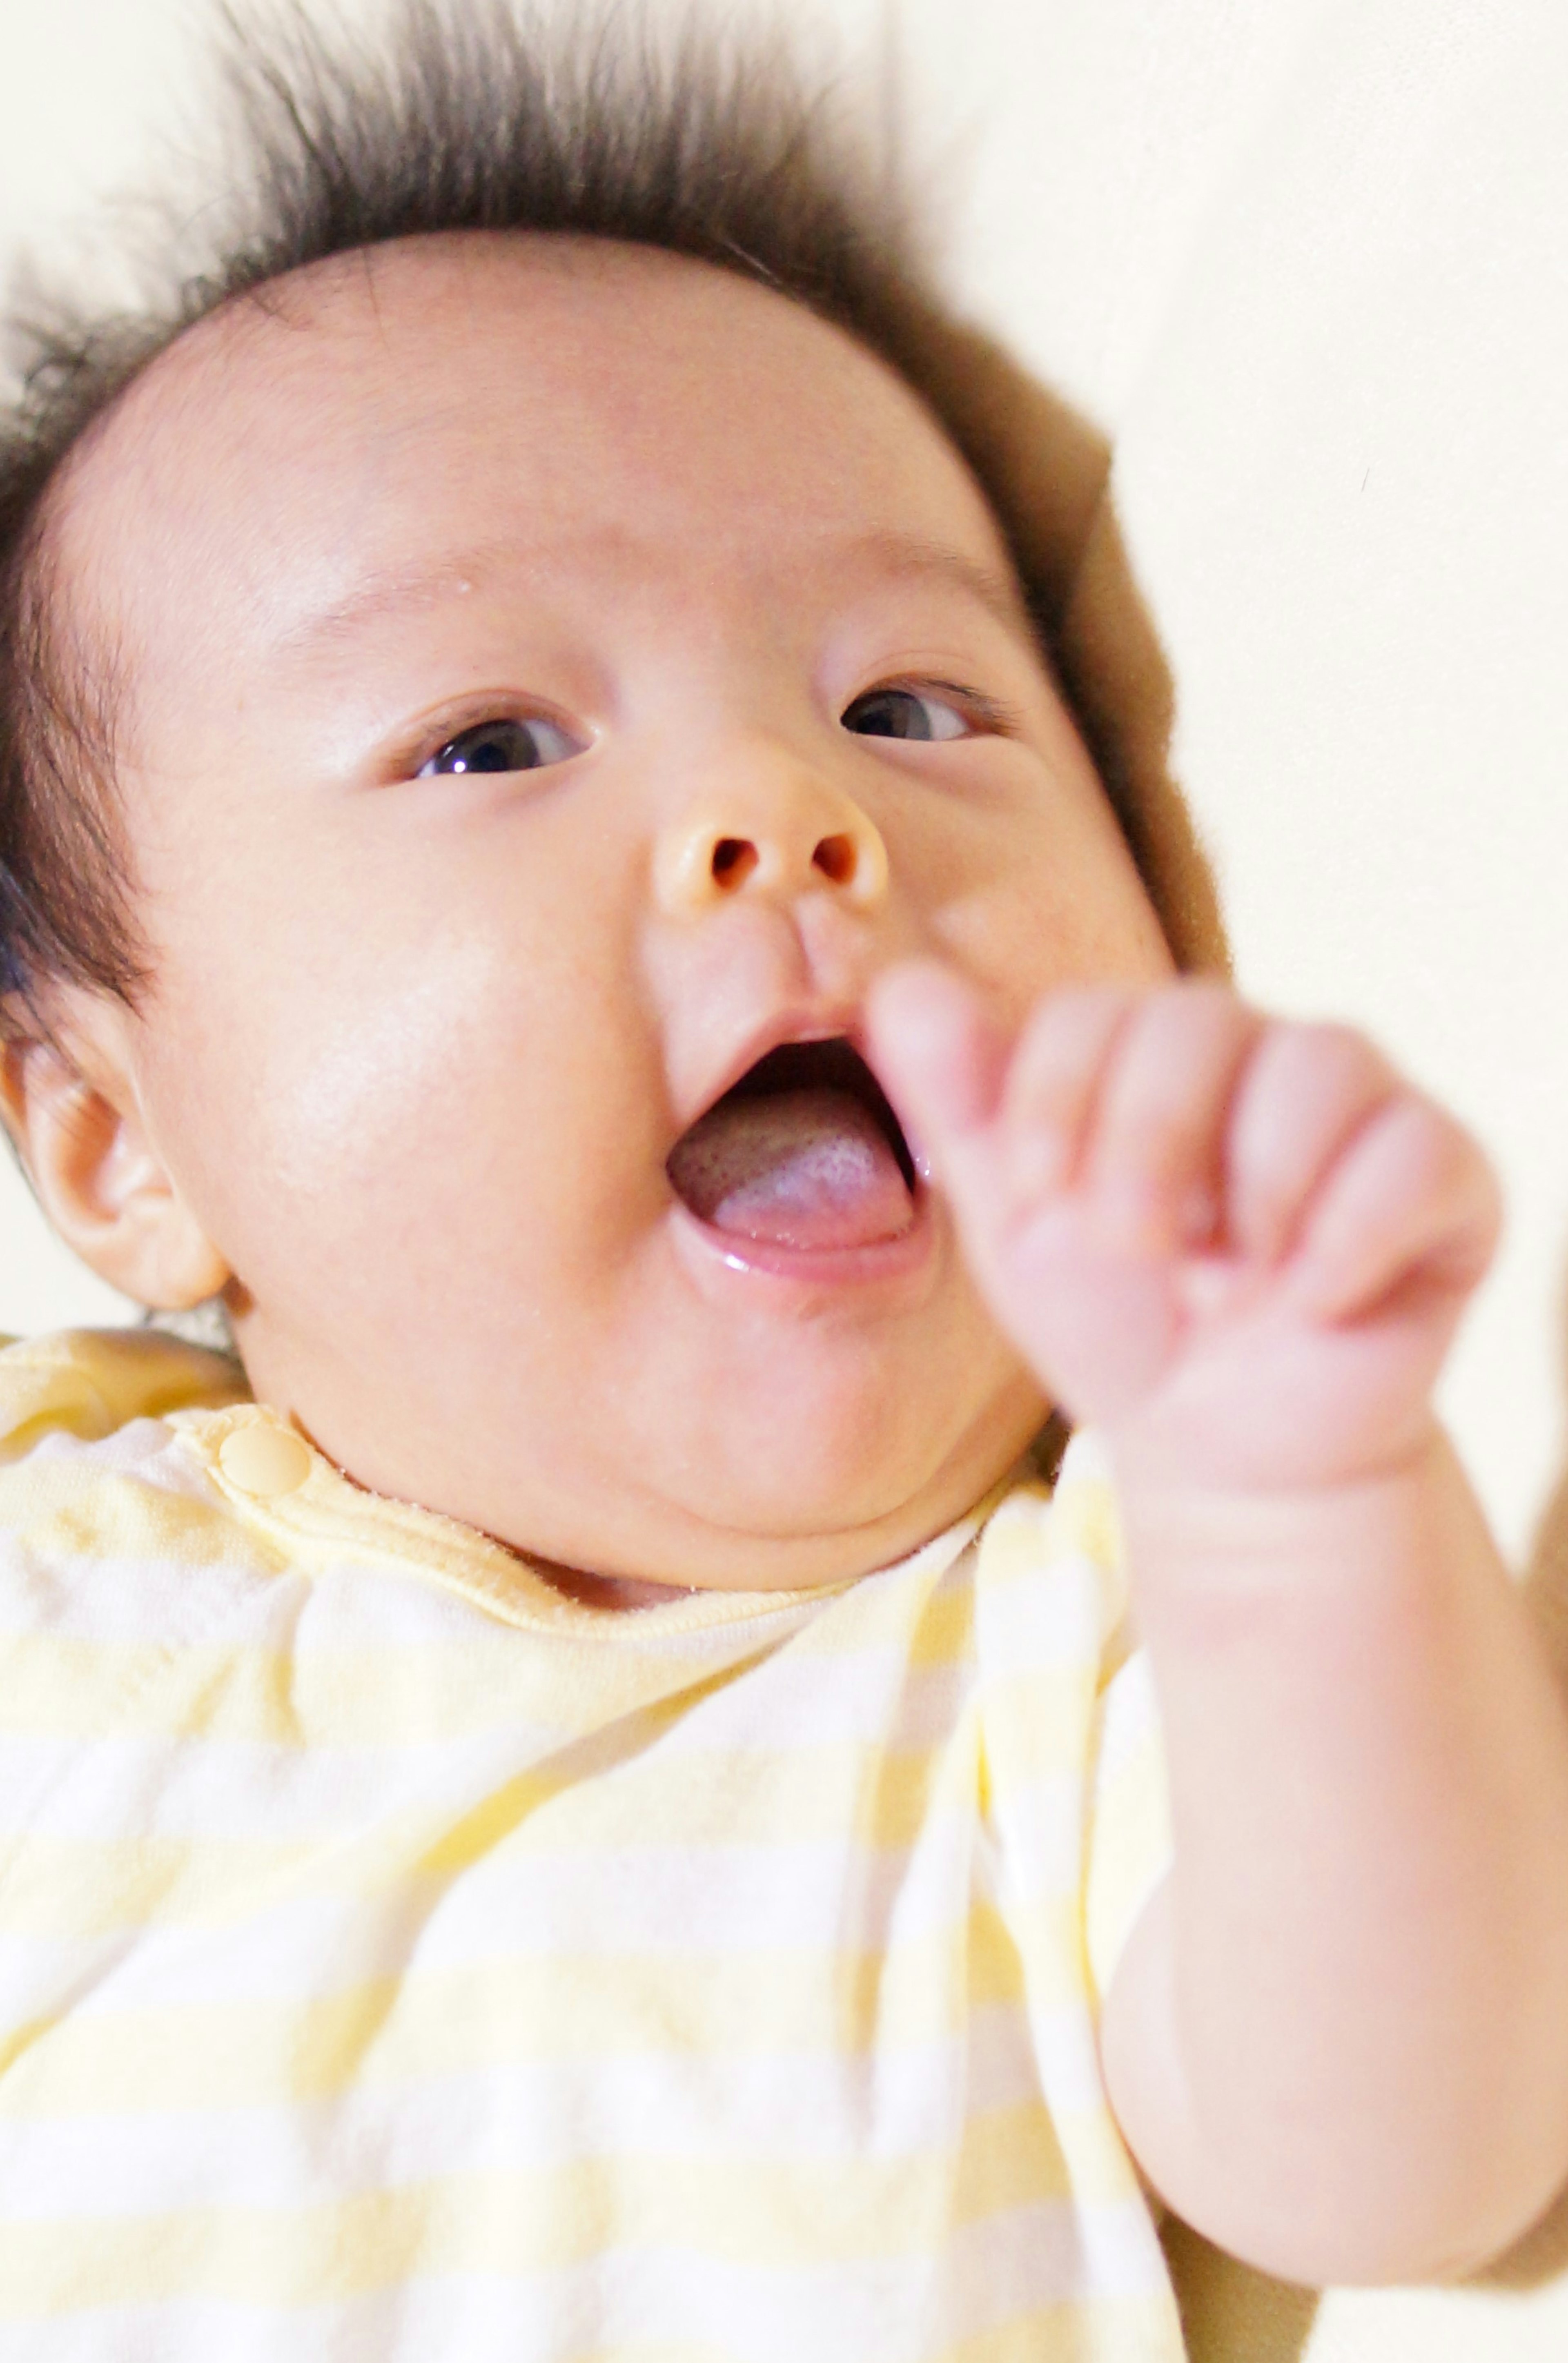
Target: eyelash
[(986, 713), (977, 705), (496, 724)]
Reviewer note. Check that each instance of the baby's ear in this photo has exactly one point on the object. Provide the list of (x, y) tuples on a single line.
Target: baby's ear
[(70, 1105)]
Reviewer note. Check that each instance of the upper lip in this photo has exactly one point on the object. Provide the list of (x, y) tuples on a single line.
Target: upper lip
[(787, 1027), (798, 1025)]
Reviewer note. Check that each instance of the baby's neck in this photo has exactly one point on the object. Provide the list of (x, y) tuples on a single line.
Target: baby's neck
[(607, 1590)]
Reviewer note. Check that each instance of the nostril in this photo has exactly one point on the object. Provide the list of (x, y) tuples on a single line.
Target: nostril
[(734, 859), (835, 857)]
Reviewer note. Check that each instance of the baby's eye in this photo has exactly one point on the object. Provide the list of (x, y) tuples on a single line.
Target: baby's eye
[(905, 714), (502, 745)]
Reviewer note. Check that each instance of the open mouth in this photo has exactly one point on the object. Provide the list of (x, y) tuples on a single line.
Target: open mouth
[(805, 1151)]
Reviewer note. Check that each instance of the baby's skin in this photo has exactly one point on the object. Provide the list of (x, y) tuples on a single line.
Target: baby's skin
[(1241, 1247), (551, 680)]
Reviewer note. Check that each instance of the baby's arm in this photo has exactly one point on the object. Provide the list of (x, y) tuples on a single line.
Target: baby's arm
[(1337, 2041)]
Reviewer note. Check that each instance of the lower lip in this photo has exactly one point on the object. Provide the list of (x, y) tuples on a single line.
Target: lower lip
[(880, 1263)]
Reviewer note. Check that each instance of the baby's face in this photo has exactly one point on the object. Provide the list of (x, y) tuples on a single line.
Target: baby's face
[(559, 675)]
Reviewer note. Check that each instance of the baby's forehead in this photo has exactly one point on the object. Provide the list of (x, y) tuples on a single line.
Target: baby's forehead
[(457, 390)]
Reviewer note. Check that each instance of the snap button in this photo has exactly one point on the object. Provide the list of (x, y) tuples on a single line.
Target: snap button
[(264, 1460)]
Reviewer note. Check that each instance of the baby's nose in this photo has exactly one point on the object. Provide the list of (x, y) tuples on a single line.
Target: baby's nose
[(793, 836)]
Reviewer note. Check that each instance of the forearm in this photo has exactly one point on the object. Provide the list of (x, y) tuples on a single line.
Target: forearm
[(1241, 1248), (1339, 2042)]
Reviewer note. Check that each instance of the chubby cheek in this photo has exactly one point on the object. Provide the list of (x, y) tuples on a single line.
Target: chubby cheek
[(379, 1139), (1067, 906)]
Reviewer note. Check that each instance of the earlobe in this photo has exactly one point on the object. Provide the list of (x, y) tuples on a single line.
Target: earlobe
[(100, 1180)]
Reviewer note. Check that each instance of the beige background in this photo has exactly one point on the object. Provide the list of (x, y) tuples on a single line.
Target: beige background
[(1306, 263)]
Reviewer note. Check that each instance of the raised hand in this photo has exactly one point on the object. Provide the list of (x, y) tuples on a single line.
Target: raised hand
[(1241, 1243)]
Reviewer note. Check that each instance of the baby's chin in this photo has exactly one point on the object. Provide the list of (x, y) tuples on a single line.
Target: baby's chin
[(819, 1499), (773, 1505), (759, 1445)]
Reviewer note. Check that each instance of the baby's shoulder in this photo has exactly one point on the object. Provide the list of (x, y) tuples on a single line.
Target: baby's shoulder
[(86, 1384), (96, 1486), (1057, 1520)]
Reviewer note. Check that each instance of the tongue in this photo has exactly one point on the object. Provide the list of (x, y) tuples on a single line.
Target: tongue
[(806, 1168)]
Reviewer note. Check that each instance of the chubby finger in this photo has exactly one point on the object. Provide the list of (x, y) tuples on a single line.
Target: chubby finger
[(936, 1051), (1411, 1200), (1307, 1091), (1053, 1084), (1155, 1161)]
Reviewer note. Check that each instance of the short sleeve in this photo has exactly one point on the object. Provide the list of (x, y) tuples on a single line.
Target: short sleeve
[(1127, 1839), (1129, 1818)]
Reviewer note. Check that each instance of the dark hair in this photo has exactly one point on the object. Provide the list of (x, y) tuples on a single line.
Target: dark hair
[(476, 116)]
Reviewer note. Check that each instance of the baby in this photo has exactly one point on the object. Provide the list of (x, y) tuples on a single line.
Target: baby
[(600, 1801)]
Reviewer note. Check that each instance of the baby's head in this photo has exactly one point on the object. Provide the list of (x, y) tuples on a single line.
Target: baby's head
[(494, 687)]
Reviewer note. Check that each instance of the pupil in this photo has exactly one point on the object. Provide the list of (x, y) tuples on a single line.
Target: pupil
[(492, 747), (890, 713)]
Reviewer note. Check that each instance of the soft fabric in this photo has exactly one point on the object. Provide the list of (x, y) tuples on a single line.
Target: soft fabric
[(400, 1959)]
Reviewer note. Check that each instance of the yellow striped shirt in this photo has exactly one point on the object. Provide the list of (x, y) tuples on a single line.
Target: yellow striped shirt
[(401, 1960)]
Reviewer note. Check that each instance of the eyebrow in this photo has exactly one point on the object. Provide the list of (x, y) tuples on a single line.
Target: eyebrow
[(388, 593), (996, 588), (395, 591)]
